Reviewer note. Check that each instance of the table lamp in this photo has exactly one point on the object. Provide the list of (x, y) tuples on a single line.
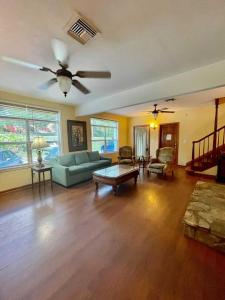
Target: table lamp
[(39, 143)]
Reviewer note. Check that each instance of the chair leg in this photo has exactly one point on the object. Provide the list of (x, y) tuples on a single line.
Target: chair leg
[(148, 172)]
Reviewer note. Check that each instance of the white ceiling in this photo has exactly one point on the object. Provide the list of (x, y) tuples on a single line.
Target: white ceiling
[(141, 41), (183, 102)]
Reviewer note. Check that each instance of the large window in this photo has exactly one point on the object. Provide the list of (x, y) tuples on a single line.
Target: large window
[(19, 125), (104, 135)]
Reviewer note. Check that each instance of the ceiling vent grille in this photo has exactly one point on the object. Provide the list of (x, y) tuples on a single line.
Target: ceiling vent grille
[(82, 31)]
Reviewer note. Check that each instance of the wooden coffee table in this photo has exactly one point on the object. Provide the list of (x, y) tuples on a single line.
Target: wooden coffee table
[(115, 175)]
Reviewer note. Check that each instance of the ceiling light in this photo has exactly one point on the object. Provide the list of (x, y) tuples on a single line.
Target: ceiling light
[(153, 125), (155, 114), (65, 83)]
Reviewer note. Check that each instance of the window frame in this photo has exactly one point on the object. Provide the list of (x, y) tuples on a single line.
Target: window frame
[(105, 140), (28, 141)]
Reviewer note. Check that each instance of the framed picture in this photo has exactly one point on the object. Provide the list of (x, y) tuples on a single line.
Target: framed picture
[(77, 135)]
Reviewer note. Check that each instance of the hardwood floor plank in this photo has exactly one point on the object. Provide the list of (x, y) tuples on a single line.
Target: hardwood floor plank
[(76, 244)]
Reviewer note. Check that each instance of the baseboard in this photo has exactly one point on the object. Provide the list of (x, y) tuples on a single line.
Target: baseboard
[(23, 187), (181, 166), (207, 176), (20, 188)]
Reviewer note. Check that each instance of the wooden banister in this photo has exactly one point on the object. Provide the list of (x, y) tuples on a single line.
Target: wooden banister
[(208, 145)]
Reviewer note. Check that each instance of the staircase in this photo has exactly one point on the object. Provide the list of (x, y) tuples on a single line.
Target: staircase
[(205, 151)]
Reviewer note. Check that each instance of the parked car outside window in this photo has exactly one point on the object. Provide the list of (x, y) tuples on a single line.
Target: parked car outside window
[(9, 159)]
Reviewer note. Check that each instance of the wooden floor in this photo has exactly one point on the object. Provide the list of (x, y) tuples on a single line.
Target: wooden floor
[(74, 244)]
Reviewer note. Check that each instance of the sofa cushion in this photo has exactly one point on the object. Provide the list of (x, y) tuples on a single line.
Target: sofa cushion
[(67, 160), (101, 163), (73, 170), (94, 155), (156, 166), (81, 157)]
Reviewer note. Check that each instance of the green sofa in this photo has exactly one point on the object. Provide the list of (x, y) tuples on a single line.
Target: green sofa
[(76, 167)]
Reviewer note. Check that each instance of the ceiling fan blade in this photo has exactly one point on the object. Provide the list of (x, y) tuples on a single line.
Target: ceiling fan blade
[(164, 108), (47, 84), (61, 52), (21, 63), (93, 74), (80, 86), (167, 111)]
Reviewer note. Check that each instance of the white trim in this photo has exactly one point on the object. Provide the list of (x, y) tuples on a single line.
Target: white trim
[(15, 168)]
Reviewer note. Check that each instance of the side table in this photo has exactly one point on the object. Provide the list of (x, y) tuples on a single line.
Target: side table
[(143, 161), (39, 170)]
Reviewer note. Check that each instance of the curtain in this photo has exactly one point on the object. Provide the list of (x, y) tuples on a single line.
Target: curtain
[(141, 141)]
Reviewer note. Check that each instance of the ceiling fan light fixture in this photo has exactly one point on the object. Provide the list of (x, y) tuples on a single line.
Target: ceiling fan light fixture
[(65, 83), (155, 114)]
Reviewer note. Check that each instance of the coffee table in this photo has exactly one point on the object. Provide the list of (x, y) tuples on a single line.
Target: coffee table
[(115, 175)]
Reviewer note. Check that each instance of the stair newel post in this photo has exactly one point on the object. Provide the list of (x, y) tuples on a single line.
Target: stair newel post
[(215, 127), (193, 153)]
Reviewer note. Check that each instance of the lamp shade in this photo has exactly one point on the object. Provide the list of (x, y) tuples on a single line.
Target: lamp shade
[(65, 83), (39, 142)]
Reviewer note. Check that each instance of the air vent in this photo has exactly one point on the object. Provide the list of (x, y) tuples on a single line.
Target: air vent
[(170, 100), (82, 31)]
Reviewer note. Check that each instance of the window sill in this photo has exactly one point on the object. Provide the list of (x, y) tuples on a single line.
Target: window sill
[(107, 153), (16, 168)]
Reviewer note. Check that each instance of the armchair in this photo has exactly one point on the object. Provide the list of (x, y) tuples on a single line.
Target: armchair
[(163, 163), (126, 155)]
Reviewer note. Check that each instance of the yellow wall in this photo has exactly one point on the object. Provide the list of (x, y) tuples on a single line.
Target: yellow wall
[(193, 125), (123, 130), (18, 177)]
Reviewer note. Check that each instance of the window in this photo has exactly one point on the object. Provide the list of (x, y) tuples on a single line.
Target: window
[(104, 135), (19, 125)]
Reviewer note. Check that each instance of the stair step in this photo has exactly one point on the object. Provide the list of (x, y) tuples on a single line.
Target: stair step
[(206, 161)]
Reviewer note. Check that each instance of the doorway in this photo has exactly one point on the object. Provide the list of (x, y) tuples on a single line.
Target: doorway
[(169, 137), (141, 140)]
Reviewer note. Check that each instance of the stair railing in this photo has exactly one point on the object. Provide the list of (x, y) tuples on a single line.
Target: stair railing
[(207, 148)]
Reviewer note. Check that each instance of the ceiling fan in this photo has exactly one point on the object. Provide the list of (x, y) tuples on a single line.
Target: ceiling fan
[(63, 76), (156, 111)]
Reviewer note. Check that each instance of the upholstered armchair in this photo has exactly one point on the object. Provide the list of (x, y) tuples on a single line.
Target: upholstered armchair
[(126, 155), (164, 162)]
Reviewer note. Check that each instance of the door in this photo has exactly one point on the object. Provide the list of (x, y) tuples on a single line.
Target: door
[(141, 140), (169, 137)]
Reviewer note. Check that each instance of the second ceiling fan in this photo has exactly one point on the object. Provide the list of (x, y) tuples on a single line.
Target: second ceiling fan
[(156, 111), (63, 76)]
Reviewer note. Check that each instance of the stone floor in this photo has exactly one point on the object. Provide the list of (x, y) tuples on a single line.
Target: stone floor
[(204, 219)]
